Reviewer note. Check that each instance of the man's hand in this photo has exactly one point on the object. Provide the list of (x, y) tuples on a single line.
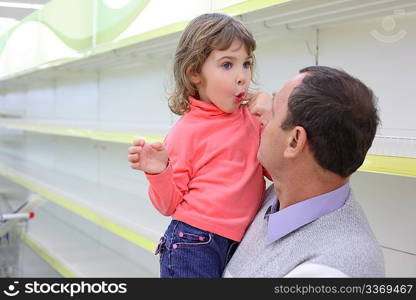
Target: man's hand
[(150, 158), (260, 103)]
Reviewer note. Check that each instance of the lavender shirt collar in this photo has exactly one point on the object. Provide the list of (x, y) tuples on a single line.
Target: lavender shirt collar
[(292, 217)]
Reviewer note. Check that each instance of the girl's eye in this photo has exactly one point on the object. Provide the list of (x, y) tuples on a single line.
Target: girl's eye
[(247, 64), (227, 65)]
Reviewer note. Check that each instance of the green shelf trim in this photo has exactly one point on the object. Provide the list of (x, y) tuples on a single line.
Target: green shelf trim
[(98, 135), (86, 213), (47, 256), (392, 165)]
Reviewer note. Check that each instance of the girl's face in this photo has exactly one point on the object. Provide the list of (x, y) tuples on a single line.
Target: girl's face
[(225, 77)]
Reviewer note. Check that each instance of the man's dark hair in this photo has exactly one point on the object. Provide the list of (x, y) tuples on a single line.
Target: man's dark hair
[(339, 114)]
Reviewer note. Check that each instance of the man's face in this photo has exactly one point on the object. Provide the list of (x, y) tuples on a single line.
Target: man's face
[(274, 140)]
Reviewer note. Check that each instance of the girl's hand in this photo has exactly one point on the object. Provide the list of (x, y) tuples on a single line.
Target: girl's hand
[(150, 158), (260, 103)]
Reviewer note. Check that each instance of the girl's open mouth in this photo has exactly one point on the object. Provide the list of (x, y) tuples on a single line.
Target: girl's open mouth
[(240, 97)]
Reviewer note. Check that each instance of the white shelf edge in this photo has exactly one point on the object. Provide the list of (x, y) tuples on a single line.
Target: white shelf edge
[(68, 263), (95, 217)]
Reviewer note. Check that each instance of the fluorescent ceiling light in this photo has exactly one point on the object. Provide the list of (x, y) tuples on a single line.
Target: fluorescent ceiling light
[(20, 5)]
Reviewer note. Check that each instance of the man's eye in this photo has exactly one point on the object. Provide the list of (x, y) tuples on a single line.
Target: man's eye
[(227, 65)]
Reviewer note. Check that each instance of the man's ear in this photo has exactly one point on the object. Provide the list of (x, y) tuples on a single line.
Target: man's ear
[(296, 141), (193, 76)]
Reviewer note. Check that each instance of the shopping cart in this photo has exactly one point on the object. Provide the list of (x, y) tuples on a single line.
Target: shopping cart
[(12, 226)]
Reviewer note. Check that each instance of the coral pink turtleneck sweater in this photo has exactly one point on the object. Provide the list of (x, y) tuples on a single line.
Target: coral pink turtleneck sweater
[(213, 181)]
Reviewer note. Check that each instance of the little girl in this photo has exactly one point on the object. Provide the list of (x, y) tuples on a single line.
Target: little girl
[(206, 174)]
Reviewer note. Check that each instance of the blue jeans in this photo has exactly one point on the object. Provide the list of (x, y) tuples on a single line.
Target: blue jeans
[(189, 252)]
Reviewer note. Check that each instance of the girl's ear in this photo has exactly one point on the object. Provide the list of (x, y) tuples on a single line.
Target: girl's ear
[(193, 76)]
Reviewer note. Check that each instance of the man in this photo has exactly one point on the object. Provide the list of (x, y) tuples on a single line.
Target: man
[(320, 128)]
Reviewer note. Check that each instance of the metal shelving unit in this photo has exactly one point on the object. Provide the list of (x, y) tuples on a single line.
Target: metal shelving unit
[(79, 163)]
